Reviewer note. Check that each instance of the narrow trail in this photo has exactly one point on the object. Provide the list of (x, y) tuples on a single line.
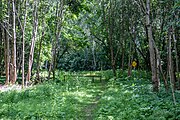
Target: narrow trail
[(89, 109), (4, 88)]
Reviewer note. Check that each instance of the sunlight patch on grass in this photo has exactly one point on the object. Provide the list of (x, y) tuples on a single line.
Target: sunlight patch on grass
[(127, 92), (79, 94), (133, 99), (108, 98)]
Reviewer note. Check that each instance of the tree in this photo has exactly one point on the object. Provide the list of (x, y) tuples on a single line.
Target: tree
[(14, 77), (55, 46), (1, 36), (23, 42), (34, 37), (153, 59), (170, 65)]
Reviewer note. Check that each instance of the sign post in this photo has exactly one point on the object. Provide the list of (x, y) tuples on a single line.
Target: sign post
[(134, 64)]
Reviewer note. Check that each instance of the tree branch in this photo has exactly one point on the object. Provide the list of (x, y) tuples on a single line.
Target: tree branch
[(6, 30)]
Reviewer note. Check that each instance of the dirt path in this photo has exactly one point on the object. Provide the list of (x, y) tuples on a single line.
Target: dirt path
[(5, 88), (89, 109)]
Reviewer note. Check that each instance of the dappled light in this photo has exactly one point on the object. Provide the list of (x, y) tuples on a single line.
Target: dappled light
[(126, 98), (89, 60)]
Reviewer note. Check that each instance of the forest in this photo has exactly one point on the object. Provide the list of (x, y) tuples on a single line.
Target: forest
[(89, 59)]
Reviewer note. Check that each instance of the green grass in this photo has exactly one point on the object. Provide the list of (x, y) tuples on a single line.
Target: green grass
[(126, 98), (49, 100), (132, 99)]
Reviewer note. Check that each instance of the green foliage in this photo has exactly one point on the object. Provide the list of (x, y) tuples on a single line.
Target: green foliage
[(122, 98), (50, 100), (131, 98), (2, 79), (76, 6)]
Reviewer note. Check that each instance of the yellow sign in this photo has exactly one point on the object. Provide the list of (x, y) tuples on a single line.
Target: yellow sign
[(134, 64)]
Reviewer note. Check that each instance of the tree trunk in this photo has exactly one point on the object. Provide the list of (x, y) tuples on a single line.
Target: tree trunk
[(7, 48), (93, 54), (176, 57), (54, 46), (39, 52), (1, 38), (171, 65), (14, 77), (130, 60), (1, 50), (110, 40), (59, 14), (31, 55), (6, 57), (23, 43), (122, 60), (153, 59)]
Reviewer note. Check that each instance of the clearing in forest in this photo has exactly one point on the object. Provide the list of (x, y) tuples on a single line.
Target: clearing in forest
[(74, 99), (79, 98)]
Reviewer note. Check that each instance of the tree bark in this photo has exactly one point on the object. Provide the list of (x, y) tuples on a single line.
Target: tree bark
[(14, 77), (6, 57), (23, 44), (153, 59), (39, 52), (1, 39), (34, 35), (110, 40), (130, 60), (122, 59), (176, 57), (171, 65), (7, 48), (93, 54), (59, 14)]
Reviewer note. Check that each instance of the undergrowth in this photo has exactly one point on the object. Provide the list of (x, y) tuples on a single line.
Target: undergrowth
[(50, 100), (124, 98), (132, 99)]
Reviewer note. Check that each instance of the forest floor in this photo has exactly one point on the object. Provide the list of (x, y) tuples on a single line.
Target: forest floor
[(89, 110), (78, 98), (4, 88), (75, 99)]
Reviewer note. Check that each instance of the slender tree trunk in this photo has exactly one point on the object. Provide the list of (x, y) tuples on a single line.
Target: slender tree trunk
[(39, 52), (159, 67), (110, 39), (13, 80), (23, 43), (94, 56), (155, 80), (54, 46), (164, 78), (1, 38), (59, 14), (1, 51), (122, 60), (7, 48), (171, 65), (176, 57), (18, 27), (6, 57), (130, 60), (31, 55)]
